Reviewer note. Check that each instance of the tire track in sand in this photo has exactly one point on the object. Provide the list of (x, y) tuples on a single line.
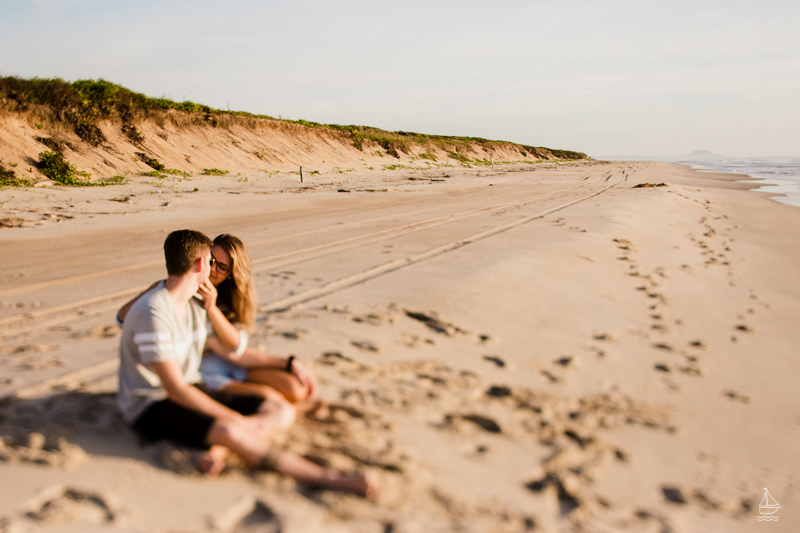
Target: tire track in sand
[(330, 247)]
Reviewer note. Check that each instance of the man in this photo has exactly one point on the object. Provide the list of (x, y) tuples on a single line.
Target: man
[(162, 343)]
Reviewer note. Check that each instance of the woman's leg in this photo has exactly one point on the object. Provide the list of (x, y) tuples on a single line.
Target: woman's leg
[(259, 389), (249, 439), (359, 482), (285, 383)]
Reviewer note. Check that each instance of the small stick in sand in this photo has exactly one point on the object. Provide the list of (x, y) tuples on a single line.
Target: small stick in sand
[(301, 174)]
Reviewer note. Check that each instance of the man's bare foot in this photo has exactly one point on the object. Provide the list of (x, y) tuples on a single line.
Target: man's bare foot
[(211, 462)]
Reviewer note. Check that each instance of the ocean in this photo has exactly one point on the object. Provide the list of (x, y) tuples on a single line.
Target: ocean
[(780, 175)]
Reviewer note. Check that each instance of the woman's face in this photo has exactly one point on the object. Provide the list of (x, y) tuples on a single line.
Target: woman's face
[(221, 269)]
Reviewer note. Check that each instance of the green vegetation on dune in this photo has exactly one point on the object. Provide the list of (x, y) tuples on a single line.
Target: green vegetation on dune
[(81, 104), (9, 178), (215, 172)]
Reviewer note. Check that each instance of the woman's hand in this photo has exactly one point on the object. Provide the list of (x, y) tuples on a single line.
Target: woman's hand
[(209, 294), (301, 372)]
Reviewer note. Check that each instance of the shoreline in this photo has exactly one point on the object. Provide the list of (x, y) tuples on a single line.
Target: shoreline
[(787, 191), (599, 349)]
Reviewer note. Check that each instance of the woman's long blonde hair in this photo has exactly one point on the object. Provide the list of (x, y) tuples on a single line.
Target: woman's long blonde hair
[(236, 296)]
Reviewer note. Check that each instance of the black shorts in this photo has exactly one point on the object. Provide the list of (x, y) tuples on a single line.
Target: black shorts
[(168, 420)]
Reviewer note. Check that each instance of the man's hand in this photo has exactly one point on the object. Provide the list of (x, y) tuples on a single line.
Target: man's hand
[(305, 377), (209, 294), (187, 395)]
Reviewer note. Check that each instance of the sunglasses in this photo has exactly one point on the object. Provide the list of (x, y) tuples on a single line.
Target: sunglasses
[(222, 267)]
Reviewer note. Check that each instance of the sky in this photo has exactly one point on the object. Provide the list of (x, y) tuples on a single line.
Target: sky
[(606, 78)]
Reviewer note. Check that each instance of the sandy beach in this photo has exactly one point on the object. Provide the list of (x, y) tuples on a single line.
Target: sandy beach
[(530, 347)]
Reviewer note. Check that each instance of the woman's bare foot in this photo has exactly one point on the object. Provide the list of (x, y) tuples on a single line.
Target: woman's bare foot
[(211, 462), (314, 409), (363, 484)]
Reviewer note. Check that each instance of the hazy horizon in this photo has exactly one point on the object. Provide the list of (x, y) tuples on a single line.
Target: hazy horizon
[(605, 79)]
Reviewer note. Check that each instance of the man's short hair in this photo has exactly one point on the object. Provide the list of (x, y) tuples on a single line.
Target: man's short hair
[(182, 248)]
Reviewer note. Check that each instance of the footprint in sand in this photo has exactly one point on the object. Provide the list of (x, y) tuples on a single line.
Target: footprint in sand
[(485, 423), (453, 421), (550, 376), (290, 335), (477, 451), (567, 501), (330, 358), (495, 359), (344, 363), (35, 448), (247, 516), (435, 323), (498, 391), (39, 363), (673, 495), (99, 332), (374, 319), (29, 348), (367, 346), (624, 244), (66, 505), (735, 396), (415, 341), (597, 351)]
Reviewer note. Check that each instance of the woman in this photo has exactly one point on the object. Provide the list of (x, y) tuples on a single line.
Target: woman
[(230, 364)]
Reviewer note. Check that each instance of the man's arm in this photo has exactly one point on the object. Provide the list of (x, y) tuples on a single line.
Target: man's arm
[(188, 396)]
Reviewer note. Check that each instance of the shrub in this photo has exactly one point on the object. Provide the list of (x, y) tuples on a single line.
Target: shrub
[(176, 172), (151, 162), (153, 173), (9, 178), (119, 179), (54, 166), (458, 157), (215, 172)]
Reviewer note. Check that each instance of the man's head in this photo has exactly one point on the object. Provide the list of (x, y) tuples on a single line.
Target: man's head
[(183, 248)]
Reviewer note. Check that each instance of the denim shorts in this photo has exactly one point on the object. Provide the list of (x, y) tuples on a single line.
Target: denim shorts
[(218, 373)]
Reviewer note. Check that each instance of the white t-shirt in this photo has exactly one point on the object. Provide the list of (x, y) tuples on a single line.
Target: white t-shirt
[(153, 333)]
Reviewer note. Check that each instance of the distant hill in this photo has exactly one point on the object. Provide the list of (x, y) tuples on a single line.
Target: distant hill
[(703, 154)]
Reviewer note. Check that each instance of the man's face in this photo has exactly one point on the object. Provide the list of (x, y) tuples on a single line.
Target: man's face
[(206, 267)]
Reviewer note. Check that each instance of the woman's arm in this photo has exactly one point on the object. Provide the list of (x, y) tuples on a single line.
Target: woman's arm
[(123, 311), (226, 332), (252, 358)]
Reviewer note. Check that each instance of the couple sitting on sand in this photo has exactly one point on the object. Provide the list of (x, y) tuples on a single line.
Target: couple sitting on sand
[(233, 398)]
